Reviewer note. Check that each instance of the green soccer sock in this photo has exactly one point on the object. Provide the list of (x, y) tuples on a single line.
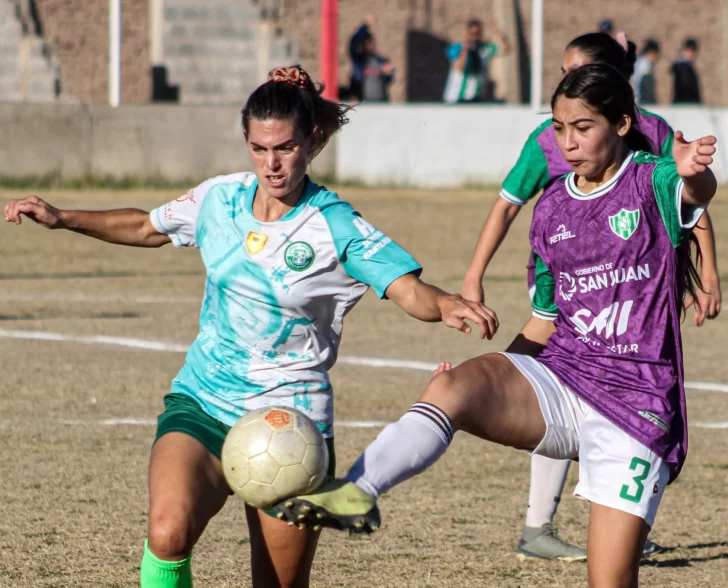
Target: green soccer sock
[(157, 573)]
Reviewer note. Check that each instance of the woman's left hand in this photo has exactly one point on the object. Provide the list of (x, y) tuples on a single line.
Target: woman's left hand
[(693, 158)]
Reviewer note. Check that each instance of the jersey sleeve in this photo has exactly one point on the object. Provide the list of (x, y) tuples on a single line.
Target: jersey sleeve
[(544, 291), (679, 218), (490, 50), (367, 254), (452, 51), (178, 218), (529, 176), (666, 147)]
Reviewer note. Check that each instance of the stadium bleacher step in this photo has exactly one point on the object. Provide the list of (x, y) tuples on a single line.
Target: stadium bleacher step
[(26, 73), (214, 50)]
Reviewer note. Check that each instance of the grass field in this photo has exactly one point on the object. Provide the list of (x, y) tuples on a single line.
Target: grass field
[(73, 500)]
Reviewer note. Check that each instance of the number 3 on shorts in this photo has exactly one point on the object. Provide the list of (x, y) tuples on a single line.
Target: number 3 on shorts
[(625, 492)]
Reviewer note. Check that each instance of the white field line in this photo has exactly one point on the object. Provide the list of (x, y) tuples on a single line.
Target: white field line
[(710, 425), (100, 299), (152, 345), (95, 340)]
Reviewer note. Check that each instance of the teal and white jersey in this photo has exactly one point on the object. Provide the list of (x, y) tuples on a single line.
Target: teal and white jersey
[(276, 294)]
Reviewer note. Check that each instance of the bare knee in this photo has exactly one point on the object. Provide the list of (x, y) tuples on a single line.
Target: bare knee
[(170, 537), (449, 392)]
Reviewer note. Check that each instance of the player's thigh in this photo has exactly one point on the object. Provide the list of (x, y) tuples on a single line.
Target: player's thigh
[(489, 397), (614, 547), (186, 489), (281, 554)]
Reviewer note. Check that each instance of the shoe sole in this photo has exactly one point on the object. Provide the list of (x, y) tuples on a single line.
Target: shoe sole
[(646, 554), (523, 556), (303, 513)]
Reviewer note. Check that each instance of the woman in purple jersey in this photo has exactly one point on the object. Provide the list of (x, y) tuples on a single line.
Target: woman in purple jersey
[(608, 389), (540, 164)]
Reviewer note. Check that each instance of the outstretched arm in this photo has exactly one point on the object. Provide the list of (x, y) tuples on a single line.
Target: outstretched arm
[(430, 304), (699, 186), (127, 226)]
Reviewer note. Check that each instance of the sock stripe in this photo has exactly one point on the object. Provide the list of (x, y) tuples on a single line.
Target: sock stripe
[(436, 416), (444, 419), (436, 424)]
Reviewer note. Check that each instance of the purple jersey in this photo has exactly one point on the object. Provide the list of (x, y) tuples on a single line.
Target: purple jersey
[(610, 267), (541, 162)]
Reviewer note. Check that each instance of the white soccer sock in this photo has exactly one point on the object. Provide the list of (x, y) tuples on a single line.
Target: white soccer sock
[(548, 477), (403, 449)]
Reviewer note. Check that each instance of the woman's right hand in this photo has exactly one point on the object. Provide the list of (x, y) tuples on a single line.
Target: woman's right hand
[(37, 210)]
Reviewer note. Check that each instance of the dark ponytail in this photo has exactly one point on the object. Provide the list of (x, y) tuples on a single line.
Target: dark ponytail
[(289, 93), (605, 91), (603, 48), (693, 283)]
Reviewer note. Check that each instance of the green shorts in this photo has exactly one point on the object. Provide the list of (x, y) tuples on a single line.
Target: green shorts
[(184, 415)]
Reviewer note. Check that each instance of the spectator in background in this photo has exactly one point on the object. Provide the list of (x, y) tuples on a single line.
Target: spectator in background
[(606, 25), (469, 63), (643, 79), (686, 82), (371, 74)]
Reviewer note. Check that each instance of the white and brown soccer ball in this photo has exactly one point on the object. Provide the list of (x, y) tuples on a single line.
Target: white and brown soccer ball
[(273, 453)]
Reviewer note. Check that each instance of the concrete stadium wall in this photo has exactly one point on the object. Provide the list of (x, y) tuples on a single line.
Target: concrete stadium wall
[(455, 146), (427, 146), (172, 142)]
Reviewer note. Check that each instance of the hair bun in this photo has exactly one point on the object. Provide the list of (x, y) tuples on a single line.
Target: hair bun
[(293, 75)]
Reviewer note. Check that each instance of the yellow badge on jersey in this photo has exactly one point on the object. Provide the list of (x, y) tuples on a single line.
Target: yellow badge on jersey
[(254, 242)]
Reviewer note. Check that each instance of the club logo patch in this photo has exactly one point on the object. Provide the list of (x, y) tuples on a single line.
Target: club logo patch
[(278, 419), (567, 286), (299, 256), (254, 242), (625, 223)]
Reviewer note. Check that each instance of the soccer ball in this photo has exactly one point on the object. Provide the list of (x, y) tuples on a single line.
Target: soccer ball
[(273, 453)]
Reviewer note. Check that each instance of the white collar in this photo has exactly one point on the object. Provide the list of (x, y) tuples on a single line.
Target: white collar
[(574, 192)]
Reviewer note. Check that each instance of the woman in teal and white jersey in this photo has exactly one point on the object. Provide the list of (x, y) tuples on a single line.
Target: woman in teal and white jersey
[(286, 260)]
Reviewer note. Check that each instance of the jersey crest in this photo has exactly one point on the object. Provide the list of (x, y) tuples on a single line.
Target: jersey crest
[(254, 242), (625, 223), (299, 256)]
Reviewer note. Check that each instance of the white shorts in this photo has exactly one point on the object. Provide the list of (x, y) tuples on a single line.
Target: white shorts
[(615, 470)]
